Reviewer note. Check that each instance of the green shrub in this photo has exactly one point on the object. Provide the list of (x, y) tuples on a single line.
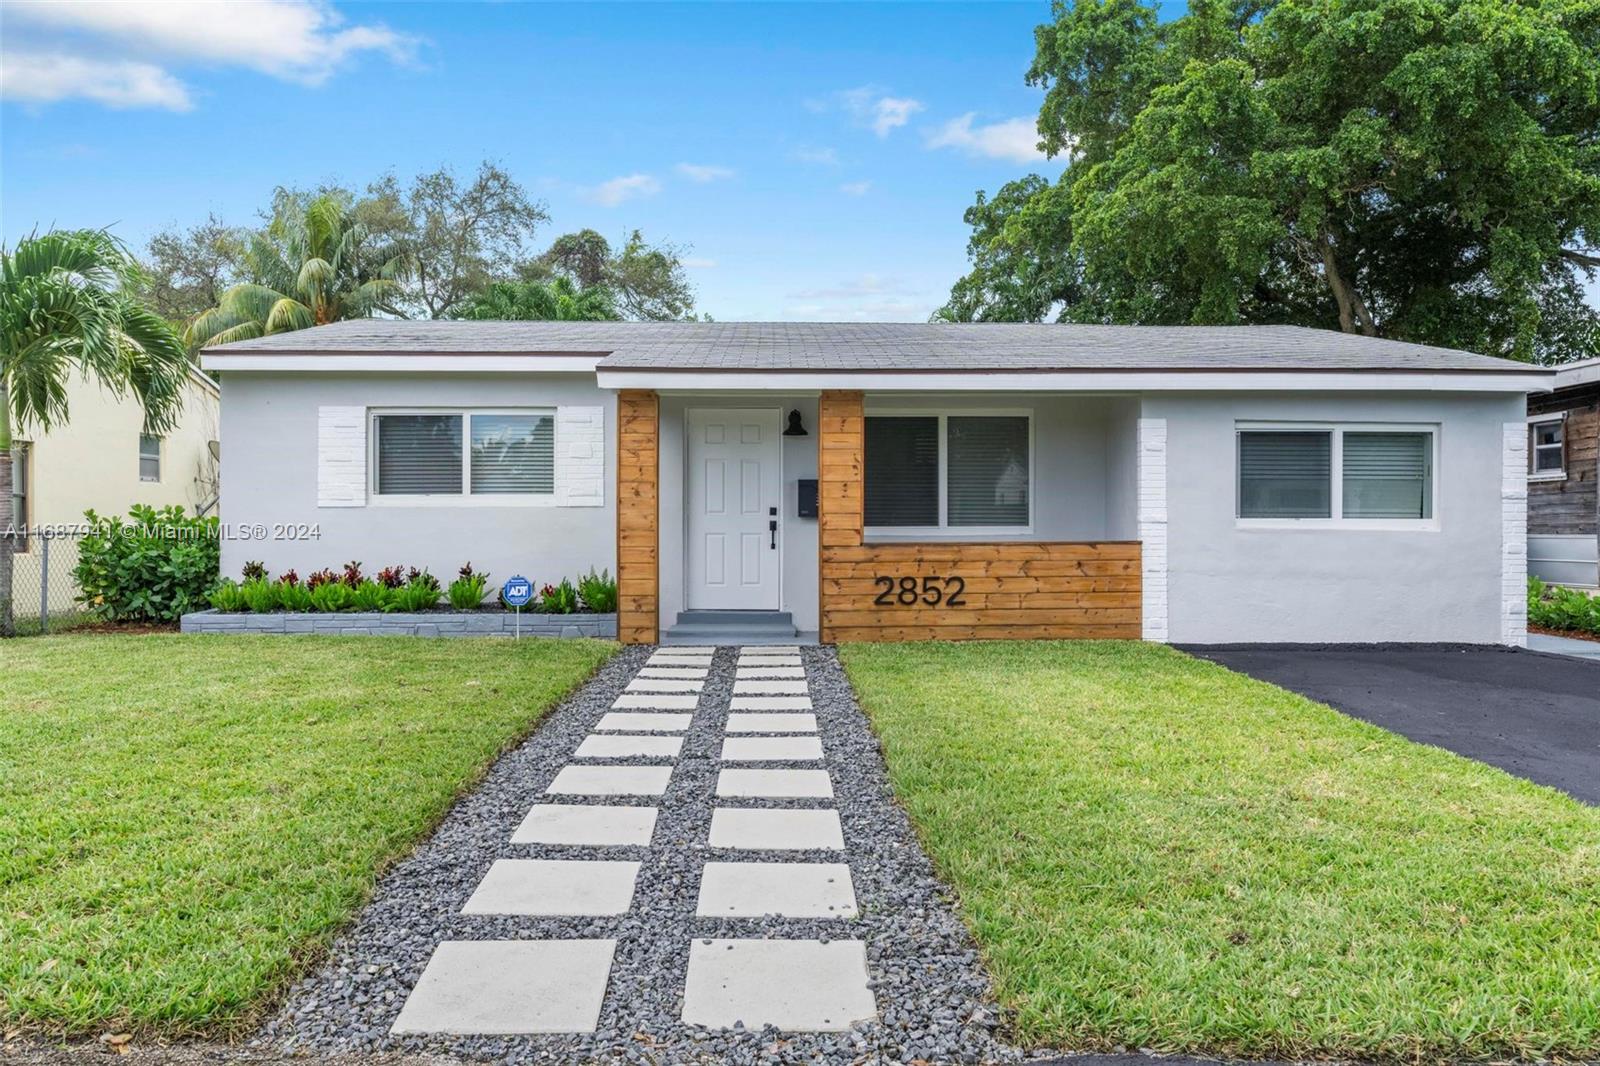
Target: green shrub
[(369, 595), (421, 593), (1558, 607), (156, 566), (227, 596), (331, 596), (558, 599), (293, 596), (598, 591), (466, 591), (260, 594)]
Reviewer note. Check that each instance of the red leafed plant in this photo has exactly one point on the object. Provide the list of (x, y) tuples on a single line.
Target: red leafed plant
[(392, 577), (290, 578), (321, 577), (466, 572), (352, 573)]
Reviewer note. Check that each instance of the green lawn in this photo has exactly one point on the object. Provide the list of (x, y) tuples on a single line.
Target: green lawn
[(1155, 851), (185, 821)]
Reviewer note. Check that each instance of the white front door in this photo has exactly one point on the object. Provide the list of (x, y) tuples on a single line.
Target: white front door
[(734, 493)]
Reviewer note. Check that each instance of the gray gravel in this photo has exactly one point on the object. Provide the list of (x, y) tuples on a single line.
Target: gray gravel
[(933, 995)]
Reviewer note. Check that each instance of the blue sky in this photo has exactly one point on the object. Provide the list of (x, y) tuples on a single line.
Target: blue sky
[(815, 159)]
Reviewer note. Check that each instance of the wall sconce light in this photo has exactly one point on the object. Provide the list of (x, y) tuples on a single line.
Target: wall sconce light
[(795, 428)]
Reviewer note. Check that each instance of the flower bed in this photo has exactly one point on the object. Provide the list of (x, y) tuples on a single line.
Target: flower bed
[(493, 622), (401, 601)]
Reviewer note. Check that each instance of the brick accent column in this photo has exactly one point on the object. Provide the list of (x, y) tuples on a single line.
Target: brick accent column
[(638, 516), (1152, 447), (1514, 534)]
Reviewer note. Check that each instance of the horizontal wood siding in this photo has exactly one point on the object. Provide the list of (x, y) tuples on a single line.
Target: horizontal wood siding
[(1007, 589), (638, 515), (1571, 506)]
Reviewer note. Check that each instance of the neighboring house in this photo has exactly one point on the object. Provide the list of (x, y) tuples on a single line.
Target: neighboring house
[(1564, 477), (905, 481), (102, 459)]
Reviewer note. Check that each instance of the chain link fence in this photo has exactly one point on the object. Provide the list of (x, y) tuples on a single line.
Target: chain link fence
[(43, 590)]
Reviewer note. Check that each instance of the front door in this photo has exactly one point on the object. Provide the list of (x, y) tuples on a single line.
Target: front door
[(734, 491)]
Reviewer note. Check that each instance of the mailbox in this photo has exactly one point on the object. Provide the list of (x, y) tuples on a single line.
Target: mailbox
[(806, 504)]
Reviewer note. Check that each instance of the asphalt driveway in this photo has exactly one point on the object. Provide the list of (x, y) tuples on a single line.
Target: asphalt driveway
[(1530, 714)]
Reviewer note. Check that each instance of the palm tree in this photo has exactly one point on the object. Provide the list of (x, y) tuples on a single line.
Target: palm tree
[(310, 267), (556, 300), (66, 308)]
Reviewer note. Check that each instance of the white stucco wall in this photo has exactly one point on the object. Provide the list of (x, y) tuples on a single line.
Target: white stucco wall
[(269, 477), (1231, 584)]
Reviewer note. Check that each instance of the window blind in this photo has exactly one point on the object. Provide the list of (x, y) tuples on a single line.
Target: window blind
[(902, 471), (1388, 475), (514, 453), (419, 455), (1285, 474), (987, 470)]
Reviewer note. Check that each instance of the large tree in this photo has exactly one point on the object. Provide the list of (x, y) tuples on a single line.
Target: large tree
[(647, 281), (186, 271), (313, 264), (67, 308), (1420, 169), (457, 237)]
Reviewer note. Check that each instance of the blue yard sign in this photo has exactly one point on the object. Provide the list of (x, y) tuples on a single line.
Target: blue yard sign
[(517, 591)]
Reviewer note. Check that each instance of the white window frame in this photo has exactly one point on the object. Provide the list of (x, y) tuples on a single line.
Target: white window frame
[(142, 457), (1559, 417), (466, 497), (945, 531), (21, 460), (1336, 519)]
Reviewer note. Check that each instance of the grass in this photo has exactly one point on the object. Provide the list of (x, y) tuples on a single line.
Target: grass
[(186, 821), (1154, 851)]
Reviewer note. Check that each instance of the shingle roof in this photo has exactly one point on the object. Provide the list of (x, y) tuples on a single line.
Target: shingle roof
[(891, 347)]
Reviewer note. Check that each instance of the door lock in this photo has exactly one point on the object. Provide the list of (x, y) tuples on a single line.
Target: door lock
[(772, 527)]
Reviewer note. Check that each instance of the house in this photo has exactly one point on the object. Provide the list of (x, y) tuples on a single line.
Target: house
[(1563, 475), (102, 459), (904, 481)]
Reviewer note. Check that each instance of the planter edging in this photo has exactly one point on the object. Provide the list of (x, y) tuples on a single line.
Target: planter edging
[(401, 624)]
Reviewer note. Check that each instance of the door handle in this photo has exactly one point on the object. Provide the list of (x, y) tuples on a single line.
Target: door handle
[(772, 527)]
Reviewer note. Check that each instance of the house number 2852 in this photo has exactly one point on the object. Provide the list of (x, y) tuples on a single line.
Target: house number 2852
[(932, 590)]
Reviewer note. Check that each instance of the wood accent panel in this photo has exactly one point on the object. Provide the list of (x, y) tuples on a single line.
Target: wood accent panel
[(1571, 506), (1008, 591), (1012, 590), (638, 516)]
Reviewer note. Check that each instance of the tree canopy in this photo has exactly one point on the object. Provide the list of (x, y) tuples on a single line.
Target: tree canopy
[(1420, 169), (559, 299), (647, 282)]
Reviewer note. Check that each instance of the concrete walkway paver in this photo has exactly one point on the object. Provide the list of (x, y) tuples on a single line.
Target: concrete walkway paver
[(589, 780), (555, 886), (790, 889), (587, 825), (497, 986), (629, 746), (790, 984), (776, 829)]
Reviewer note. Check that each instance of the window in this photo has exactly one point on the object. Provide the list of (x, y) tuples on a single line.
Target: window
[(1546, 449), (19, 495), (1291, 473), (149, 457), (465, 453), (958, 471)]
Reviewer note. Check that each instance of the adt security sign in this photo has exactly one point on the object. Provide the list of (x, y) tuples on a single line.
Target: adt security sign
[(516, 592)]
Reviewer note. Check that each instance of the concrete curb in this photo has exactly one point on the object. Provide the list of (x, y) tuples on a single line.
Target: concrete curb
[(422, 624)]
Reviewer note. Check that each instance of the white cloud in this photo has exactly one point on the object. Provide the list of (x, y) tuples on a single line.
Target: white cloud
[(43, 78), (821, 156), (1015, 140), (865, 298), (620, 190), (124, 54), (878, 110), (856, 188), (696, 263), (704, 172)]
